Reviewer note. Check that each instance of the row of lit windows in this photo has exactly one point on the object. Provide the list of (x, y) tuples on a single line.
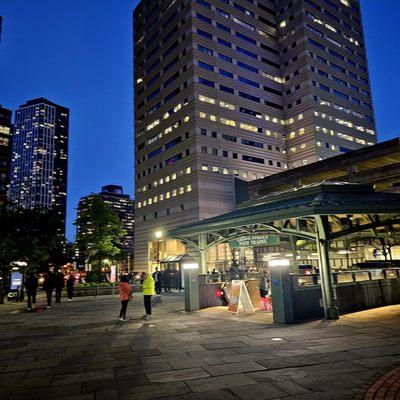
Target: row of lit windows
[(338, 107), (240, 22), (5, 130), (331, 28), (235, 172), (165, 179), (164, 196), (342, 135), (223, 104), (340, 121)]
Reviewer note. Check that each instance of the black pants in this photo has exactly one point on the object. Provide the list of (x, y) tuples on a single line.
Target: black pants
[(147, 303), (158, 287), (124, 306), (70, 291), (167, 284), (31, 297), (58, 294), (49, 293)]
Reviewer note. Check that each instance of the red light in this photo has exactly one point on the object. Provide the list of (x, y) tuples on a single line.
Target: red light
[(218, 293)]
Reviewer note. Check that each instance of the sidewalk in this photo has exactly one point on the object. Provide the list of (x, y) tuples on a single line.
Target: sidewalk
[(79, 350)]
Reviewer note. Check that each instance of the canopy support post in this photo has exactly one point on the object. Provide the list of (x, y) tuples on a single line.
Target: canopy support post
[(202, 241), (328, 292)]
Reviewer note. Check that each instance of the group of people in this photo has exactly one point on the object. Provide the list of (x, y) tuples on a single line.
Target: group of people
[(125, 294), (53, 281), (162, 278)]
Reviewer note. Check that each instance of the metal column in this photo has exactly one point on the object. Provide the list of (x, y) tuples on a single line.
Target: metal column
[(328, 291), (202, 253)]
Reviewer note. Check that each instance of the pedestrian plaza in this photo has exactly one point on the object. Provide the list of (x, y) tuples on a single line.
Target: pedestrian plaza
[(80, 350)]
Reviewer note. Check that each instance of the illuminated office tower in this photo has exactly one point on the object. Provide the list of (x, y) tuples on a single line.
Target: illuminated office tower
[(5, 151), (238, 88), (40, 157)]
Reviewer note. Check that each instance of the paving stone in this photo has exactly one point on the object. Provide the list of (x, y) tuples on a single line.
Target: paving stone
[(234, 368), (179, 375), (260, 391), (175, 389), (220, 382), (223, 394)]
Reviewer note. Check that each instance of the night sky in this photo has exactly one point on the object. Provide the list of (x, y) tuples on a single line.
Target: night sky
[(78, 53)]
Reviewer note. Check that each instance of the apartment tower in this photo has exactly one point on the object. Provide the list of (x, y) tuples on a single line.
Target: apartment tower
[(40, 157), (238, 88), (5, 151), (122, 205)]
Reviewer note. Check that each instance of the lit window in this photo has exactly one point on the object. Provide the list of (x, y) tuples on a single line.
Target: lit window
[(204, 167), (215, 169), (225, 171), (188, 188), (228, 122)]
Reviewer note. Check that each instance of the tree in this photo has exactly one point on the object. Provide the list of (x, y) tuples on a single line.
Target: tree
[(29, 235), (100, 234)]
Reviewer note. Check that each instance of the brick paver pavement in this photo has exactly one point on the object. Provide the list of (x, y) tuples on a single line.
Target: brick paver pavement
[(79, 350)]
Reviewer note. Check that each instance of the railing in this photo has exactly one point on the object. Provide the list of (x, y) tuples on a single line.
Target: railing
[(349, 276)]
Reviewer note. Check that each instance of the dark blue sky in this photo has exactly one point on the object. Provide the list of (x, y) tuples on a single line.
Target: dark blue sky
[(78, 53)]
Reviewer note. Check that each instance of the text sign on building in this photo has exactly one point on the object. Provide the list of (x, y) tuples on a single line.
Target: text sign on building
[(255, 240)]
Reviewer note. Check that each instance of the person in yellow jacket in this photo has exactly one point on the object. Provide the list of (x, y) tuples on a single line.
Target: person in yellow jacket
[(148, 291)]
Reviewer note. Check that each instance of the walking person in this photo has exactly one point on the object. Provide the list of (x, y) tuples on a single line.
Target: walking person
[(148, 291), (31, 285), (70, 287), (157, 276), (125, 294), (59, 283), (48, 286), (264, 282)]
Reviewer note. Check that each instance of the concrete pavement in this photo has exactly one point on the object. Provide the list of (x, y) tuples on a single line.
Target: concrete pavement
[(80, 350)]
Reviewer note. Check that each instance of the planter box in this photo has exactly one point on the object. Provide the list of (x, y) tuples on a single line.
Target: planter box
[(95, 291)]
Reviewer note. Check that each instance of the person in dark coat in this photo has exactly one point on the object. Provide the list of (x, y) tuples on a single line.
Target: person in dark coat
[(70, 287), (31, 285), (59, 283), (48, 286), (167, 280), (157, 276)]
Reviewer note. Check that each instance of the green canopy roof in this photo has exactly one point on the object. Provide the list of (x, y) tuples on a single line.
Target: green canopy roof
[(326, 198)]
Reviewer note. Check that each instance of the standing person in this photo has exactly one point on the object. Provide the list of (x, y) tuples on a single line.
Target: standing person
[(31, 285), (59, 283), (157, 280), (148, 291), (264, 281), (167, 280), (70, 287), (125, 294), (48, 286)]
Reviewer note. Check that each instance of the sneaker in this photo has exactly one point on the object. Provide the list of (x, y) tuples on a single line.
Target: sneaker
[(121, 319), (48, 306), (69, 300), (29, 309), (147, 317), (144, 316)]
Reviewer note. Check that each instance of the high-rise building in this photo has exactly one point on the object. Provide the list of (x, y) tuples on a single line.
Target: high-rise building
[(5, 151), (40, 157), (238, 88), (120, 204)]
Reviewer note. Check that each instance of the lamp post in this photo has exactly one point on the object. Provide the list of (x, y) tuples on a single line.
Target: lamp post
[(158, 235)]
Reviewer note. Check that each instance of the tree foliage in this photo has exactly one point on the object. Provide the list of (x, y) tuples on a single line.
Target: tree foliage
[(101, 232), (29, 235)]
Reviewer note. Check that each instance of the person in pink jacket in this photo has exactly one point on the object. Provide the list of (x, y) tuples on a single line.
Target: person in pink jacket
[(125, 294)]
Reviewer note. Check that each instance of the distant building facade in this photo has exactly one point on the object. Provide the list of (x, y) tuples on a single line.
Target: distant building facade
[(238, 88), (39, 166), (123, 206), (5, 151)]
